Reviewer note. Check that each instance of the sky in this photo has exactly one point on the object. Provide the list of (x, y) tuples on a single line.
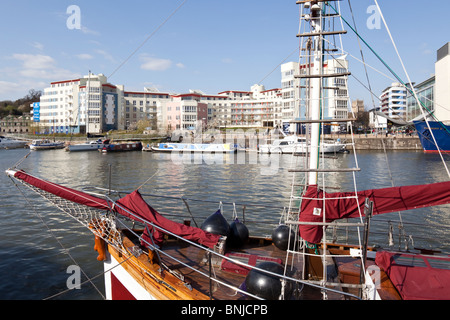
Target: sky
[(207, 45)]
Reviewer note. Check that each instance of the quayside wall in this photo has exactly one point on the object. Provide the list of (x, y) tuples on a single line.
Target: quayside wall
[(370, 142)]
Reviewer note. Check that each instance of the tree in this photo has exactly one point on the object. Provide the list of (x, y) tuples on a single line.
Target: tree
[(20, 106)]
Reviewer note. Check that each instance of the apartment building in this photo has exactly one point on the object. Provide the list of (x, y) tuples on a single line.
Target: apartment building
[(256, 108), (92, 105), (393, 102), (295, 96), (86, 105), (147, 105)]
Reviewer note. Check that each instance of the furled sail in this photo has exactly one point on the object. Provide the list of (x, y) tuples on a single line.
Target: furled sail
[(132, 206), (135, 204), (342, 205)]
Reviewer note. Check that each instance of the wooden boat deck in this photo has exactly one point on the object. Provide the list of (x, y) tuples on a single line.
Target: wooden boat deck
[(198, 263), (191, 263)]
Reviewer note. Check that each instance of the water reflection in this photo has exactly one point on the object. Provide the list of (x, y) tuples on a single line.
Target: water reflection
[(259, 185)]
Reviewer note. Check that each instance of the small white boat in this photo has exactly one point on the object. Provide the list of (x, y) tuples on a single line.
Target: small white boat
[(88, 146), (8, 143), (195, 147), (294, 144), (45, 144)]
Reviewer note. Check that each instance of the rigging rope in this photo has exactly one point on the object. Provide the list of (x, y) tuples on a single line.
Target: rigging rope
[(148, 38), (57, 240), (412, 87), (412, 92)]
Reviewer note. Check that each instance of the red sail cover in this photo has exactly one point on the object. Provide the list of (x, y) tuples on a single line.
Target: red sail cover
[(135, 203), (64, 192), (417, 277), (341, 205)]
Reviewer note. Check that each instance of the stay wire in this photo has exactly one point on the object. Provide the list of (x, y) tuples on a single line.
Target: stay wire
[(148, 38), (57, 240)]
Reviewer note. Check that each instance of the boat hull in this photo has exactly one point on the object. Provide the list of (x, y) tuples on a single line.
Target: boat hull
[(194, 148), (122, 147), (12, 144), (47, 146), (85, 147), (441, 134), (301, 148)]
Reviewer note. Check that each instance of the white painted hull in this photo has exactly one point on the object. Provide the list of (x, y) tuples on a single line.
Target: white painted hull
[(85, 147), (300, 148), (12, 144), (120, 285), (194, 148)]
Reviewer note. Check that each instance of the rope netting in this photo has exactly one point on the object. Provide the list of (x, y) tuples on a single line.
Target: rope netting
[(100, 222)]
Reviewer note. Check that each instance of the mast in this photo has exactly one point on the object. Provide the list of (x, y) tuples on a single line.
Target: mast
[(315, 98), (88, 89)]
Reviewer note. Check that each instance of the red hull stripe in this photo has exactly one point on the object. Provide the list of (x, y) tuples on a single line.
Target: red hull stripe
[(118, 290)]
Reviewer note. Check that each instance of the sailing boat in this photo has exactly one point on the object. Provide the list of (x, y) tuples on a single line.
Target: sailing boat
[(158, 258)]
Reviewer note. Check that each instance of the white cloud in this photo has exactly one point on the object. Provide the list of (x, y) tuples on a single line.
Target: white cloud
[(106, 55), (38, 45), (155, 64), (15, 90), (227, 60), (85, 56), (41, 67), (6, 87), (86, 30), (34, 61), (180, 65)]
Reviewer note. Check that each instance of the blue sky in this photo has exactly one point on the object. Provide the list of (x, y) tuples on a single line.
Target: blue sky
[(208, 45)]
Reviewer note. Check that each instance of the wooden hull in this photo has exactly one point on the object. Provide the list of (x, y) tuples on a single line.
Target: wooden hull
[(130, 277)]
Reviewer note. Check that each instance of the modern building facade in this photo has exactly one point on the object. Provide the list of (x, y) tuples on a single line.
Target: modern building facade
[(442, 85), (92, 105), (86, 105), (335, 102), (425, 93), (393, 102)]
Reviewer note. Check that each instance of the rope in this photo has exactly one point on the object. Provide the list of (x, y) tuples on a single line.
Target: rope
[(57, 240), (148, 38), (412, 87), (93, 278), (395, 74)]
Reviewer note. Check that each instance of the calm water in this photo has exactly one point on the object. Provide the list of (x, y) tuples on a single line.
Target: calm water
[(34, 236)]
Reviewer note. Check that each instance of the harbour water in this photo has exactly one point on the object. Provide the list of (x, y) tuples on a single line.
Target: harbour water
[(38, 243)]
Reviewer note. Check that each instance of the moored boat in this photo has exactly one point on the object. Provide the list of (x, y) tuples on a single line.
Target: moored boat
[(299, 145), (195, 147), (46, 144), (434, 136), (8, 143), (121, 147), (88, 146)]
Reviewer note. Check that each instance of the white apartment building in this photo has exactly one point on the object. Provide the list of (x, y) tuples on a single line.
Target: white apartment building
[(393, 102), (86, 105), (148, 105), (92, 105), (257, 108), (335, 101)]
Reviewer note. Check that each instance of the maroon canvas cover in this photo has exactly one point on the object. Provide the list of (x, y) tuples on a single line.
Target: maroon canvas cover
[(340, 205), (136, 204), (417, 277), (133, 202), (64, 192)]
